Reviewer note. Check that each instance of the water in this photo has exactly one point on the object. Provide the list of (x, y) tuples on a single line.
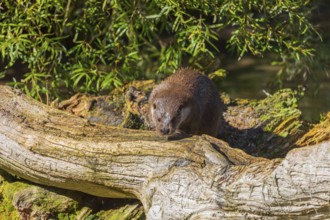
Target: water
[(251, 79)]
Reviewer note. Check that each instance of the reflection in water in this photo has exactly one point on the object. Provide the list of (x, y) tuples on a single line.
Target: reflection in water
[(248, 79)]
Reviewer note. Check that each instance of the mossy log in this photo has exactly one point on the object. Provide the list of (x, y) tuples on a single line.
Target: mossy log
[(24, 200), (199, 177)]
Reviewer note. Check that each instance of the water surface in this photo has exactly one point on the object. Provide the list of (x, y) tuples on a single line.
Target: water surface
[(252, 79)]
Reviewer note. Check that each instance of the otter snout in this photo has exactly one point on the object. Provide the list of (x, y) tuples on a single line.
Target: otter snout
[(165, 130), (168, 120)]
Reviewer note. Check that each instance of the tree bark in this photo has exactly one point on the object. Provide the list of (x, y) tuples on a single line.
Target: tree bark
[(199, 177)]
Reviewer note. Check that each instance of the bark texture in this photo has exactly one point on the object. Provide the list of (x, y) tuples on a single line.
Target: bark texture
[(193, 178)]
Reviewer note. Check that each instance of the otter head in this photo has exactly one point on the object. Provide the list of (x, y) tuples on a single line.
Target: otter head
[(168, 113)]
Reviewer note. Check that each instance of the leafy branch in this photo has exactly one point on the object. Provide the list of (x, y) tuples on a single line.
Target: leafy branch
[(96, 45)]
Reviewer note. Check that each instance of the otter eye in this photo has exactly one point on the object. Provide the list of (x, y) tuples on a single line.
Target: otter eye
[(158, 119), (180, 108)]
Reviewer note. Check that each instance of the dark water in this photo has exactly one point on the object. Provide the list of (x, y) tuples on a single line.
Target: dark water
[(248, 79)]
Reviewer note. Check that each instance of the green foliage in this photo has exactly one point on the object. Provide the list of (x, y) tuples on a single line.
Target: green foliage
[(95, 45)]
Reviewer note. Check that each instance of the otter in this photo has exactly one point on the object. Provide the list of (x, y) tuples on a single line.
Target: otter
[(186, 102)]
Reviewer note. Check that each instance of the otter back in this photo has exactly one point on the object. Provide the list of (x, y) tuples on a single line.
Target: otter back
[(188, 102)]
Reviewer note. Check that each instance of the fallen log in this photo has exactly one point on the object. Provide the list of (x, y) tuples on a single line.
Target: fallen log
[(199, 177)]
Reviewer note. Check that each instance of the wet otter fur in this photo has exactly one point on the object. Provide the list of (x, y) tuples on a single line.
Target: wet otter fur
[(187, 102)]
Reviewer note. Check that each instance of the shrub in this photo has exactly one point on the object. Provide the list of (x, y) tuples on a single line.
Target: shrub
[(96, 45)]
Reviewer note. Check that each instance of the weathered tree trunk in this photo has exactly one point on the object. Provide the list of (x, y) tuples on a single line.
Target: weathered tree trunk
[(193, 178)]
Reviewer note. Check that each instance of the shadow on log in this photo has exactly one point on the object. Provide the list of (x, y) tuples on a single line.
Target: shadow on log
[(199, 177)]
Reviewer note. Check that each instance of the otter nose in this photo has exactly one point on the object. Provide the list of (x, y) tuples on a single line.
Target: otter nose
[(165, 130)]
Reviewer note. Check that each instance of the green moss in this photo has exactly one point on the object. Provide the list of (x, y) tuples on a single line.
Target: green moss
[(281, 121), (51, 203), (279, 107), (128, 212), (319, 132), (33, 199), (268, 127), (7, 192)]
